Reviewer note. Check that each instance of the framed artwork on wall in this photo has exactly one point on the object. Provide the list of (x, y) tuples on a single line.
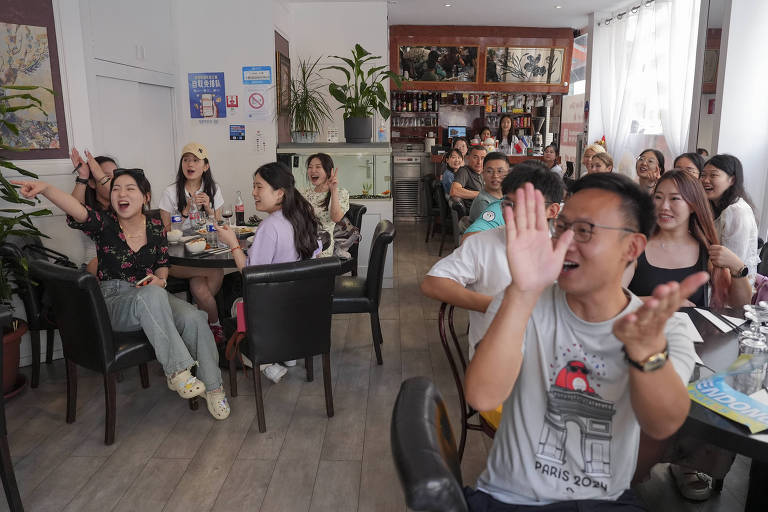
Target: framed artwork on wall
[(29, 56), (438, 63), (283, 83), (524, 65)]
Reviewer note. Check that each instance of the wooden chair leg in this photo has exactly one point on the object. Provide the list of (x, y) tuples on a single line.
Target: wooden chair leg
[(110, 406), (9, 477), (194, 404), (327, 384), (71, 391), (34, 337), (49, 335), (377, 338), (259, 399), (309, 364), (144, 374), (233, 376)]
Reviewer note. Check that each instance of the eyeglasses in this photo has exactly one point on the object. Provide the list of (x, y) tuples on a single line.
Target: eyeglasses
[(646, 161), (582, 230)]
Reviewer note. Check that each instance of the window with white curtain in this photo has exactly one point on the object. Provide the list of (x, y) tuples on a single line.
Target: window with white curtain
[(644, 58)]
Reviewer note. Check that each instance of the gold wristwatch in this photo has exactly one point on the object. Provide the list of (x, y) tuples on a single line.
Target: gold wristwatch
[(650, 363)]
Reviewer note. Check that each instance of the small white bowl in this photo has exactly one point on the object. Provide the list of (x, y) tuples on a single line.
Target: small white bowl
[(196, 246), (174, 235)]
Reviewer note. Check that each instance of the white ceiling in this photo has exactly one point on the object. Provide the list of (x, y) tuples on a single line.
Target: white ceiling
[(509, 13)]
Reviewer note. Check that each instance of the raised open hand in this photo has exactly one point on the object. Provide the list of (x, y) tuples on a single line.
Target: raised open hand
[(30, 189), (95, 167), (642, 331), (533, 262)]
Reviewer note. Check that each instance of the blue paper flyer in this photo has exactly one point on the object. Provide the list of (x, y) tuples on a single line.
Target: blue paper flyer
[(237, 132), (718, 394), (206, 95), (255, 75)]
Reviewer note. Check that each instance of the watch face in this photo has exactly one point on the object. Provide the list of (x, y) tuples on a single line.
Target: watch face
[(655, 362)]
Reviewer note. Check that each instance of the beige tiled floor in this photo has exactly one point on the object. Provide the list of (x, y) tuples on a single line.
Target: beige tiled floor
[(167, 457)]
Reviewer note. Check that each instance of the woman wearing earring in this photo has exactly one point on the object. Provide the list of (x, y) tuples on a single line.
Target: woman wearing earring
[(329, 201)]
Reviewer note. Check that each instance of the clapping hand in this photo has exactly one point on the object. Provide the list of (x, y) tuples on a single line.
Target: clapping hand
[(534, 263), (77, 161), (642, 331)]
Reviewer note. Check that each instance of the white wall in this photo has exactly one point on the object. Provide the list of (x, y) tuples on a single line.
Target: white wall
[(333, 28), (741, 127), (232, 35)]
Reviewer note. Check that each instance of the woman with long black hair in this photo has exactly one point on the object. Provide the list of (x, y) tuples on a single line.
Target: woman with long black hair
[(505, 135), (329, 200), (289, 233)]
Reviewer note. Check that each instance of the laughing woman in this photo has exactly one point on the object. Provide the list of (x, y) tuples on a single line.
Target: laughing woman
[(131, 247), (329, 201)]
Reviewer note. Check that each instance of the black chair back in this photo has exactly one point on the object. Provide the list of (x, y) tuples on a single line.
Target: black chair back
[(424, 449), (442, 204), (382, 237), (355, 215), (762, 267), (86, 331), (428, 190), (288, 309)]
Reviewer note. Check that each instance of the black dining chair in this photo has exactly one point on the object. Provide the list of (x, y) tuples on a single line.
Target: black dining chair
[(355, 215), (458, 217), (428, 183), (446, 225), (6, 464), (288, 316), (39, 316), (424, 449), (88, 339), (363, 295), (453, 351)]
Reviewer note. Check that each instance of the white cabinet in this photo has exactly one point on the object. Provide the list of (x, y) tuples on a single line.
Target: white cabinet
[(138, 33)]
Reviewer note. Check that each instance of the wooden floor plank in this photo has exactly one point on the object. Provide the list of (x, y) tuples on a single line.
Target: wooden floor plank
[(151, 490), (336, 487), (245, 487), (63, 483)]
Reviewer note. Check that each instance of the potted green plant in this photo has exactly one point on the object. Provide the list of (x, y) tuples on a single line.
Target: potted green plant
[(362, 94), (307, 106), (14, 221)]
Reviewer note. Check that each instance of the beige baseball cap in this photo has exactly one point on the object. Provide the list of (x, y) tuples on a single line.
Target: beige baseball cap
[(196, 149)]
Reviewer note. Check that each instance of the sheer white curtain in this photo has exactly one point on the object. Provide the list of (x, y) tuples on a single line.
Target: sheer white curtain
[(677, 28), (642, 77)]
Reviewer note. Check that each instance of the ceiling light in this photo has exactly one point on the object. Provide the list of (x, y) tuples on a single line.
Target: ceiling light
[(447, 5), (558, 7)]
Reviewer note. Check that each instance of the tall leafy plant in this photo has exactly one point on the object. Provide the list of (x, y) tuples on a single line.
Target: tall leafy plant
[(15, 220), (363, 93), (307, 106)]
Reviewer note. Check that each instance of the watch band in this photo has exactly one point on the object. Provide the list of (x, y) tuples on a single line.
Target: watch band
[(82, 181), (741, 273), (650, 363)]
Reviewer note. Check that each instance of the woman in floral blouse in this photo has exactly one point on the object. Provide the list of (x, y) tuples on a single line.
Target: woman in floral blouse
[(329, 201), (131, 247)]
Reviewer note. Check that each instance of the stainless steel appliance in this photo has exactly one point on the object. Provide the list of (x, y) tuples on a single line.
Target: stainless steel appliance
[(409, 162)]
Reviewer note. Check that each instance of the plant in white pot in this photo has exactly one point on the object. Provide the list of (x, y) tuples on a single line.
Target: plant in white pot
[(362, 94), (13, 219), (307, 107)]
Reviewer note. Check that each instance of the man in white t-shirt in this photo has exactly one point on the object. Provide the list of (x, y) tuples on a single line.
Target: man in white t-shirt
[(580, 365), (477, 270)]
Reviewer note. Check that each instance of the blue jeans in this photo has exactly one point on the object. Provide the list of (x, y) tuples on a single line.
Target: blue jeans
[(177, 330)]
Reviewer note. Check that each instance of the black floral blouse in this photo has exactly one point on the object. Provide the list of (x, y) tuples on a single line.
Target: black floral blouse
[(116, 259)]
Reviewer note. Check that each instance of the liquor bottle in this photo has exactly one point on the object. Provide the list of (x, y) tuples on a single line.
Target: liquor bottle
[(409, 102), (424, 102), (239, 210), (430, 103), (417, 106)]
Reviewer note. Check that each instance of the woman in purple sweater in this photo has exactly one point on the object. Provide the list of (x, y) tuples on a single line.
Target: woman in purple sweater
[(288, 234)]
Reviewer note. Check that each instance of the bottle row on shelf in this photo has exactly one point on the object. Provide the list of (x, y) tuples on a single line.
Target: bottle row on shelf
[(493, 102)]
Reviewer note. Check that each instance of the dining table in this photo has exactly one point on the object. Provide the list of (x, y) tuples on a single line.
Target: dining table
[(179, 255), (718, 351)]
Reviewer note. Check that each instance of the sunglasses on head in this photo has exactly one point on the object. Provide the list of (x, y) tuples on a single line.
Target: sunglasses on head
[(120, 171)]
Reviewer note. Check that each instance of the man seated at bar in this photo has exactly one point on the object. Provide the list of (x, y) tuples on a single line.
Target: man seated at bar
[(596, 357), (495, 169), (469, 179)]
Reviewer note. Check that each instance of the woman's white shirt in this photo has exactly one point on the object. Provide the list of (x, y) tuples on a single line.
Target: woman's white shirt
[(737, 230), (169, 203)]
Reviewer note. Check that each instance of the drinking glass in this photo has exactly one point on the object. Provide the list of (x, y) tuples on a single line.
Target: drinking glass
[(228, 212)]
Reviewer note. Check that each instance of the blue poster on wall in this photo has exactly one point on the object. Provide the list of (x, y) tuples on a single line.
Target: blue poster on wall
[(255, 75), (206, 95)]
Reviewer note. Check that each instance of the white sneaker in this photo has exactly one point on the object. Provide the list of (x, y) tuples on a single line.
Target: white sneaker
[(274, 372), (290, 363)]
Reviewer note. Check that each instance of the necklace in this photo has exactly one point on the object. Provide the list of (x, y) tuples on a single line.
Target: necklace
[(143, 230)]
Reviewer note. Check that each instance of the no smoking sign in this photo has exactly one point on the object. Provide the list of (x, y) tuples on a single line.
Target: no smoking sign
[(257, 104)]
